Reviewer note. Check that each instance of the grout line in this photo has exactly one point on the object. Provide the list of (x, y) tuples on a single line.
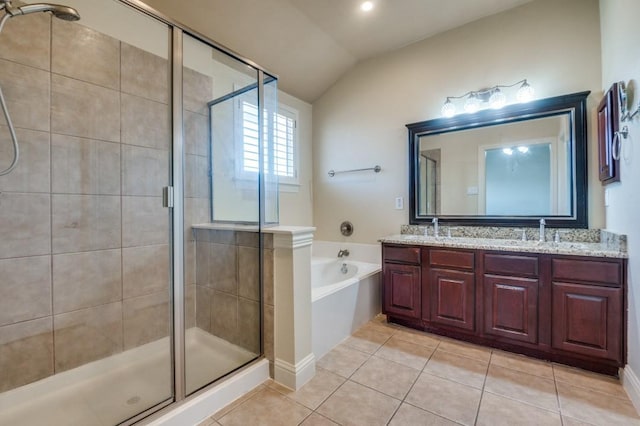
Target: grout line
[(484, 383)]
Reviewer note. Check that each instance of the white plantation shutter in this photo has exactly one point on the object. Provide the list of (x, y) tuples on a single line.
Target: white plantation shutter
[(284, 141)]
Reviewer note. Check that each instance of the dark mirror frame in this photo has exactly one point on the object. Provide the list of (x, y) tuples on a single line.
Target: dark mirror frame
[(575, 103)]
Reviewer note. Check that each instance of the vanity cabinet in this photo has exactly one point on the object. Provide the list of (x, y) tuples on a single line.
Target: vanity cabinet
[(563, 308), (402, 278)]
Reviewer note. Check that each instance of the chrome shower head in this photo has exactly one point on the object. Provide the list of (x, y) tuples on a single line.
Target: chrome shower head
[(59, 11)]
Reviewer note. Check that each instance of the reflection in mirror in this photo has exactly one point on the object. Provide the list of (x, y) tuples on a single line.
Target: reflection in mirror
[(512, 166)]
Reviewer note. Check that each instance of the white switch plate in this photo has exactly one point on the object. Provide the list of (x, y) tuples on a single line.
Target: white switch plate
[(606, 197), (399, 203)]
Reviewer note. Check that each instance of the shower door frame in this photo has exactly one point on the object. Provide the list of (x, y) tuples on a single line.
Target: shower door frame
[(175, 203)]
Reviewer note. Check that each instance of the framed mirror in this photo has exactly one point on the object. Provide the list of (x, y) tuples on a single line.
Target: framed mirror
[(506, 167)]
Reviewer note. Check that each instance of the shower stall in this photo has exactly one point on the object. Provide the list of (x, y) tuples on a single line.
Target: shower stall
[(134, 271)]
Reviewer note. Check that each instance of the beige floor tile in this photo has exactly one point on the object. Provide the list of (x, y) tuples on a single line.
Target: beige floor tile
[(267, 408), (522, 363), (405, 353), (208, 422), (314, 392), (343, 360), (367, 340), (408, 415), (466, 349), (596, 407), (522, 387), (417, 337), (379, 328), (244, 398), (448, 399), (316, 419), (355, 405), (386, 376), (498, 411), (587, 379), (570, 421), (461, 369)]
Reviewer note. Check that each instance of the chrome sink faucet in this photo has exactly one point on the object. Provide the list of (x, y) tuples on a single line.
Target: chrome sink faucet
[(435, 226), (343, 253), (542, 223)]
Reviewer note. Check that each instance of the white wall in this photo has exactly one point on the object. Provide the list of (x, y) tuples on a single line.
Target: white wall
[(621, 62), (360, 121)]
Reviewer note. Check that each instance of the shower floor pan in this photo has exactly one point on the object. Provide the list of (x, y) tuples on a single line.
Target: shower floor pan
[(108, 391)]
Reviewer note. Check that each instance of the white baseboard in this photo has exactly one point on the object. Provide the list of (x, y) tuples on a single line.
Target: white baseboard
[(631, 384), (200, 407), (295, 376)]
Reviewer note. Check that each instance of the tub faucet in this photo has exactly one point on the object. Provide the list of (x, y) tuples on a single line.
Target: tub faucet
[(435, 226), (542, 223), (343, 253), (344, 269)]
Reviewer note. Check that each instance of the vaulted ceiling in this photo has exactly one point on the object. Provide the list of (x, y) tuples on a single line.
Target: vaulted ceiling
[(309, 44)]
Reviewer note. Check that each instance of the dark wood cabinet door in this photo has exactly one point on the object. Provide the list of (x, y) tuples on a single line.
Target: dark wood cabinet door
[(607, 127), (401, 290), (511, 307), (452, 298), (587, 320)]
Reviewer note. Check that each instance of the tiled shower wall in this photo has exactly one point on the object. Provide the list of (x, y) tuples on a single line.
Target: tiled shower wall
[(227, 288), (84, 259)]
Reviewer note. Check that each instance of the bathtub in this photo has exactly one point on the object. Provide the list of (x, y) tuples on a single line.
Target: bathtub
[(342, 302)]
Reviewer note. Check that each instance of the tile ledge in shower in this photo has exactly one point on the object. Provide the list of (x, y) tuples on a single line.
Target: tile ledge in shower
[(276, 229)]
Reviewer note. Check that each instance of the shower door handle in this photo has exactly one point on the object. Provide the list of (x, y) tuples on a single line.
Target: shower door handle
[(167, 196)]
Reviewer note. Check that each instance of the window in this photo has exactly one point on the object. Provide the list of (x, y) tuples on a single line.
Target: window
[(284, 162)]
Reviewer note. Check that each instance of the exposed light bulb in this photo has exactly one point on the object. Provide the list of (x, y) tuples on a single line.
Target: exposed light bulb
[(525, 92), (497, 99), (448, 109), (366, 6), (523, 149), (472, 104), (507, 151)]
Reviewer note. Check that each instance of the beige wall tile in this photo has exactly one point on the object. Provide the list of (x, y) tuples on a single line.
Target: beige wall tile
[(87, 335), (196, 177), (224, 316), (190, 306), (27, 40), (189, 262), (144, 74), (85, 222), (196, 133), (203, 253), (197, 91), (26, 353), (145, 270), (146, 319), (203, 308), (32, 172), (84, 109), (247, 239), (83, 280), (268, 286), (223, 268), (144, 221), (248, 273), (25, 292), (269, 333), (145, 122), (85, 54), (25, 225), (145, 171), (84, 166), (27, 92), (248, 325)]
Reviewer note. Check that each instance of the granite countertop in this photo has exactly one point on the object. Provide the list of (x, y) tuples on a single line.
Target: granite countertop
[(575, 248)]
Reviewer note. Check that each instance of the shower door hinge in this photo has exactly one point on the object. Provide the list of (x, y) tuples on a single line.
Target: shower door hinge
[(167, 196)]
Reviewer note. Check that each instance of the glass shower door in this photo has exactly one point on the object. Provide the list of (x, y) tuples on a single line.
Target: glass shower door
[(85, 262)]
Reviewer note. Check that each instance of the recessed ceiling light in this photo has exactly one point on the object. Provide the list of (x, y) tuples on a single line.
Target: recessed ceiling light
[(366, 6)]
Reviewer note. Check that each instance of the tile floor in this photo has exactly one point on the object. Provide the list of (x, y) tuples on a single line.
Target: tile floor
[(385, 374)]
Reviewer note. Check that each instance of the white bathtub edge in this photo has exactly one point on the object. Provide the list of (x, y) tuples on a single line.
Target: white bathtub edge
[(202, 406), (294, 376)]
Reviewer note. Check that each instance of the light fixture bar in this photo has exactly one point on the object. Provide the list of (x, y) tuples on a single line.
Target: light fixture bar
[(491, 97)]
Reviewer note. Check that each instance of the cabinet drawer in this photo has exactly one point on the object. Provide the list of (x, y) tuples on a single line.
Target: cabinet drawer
[(402, 254), (586, 270), (511, 265), (452, 259)]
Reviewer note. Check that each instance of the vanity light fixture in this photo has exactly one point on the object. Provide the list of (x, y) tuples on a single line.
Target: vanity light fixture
[(366, 6), (492, 97), (507, 151)]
